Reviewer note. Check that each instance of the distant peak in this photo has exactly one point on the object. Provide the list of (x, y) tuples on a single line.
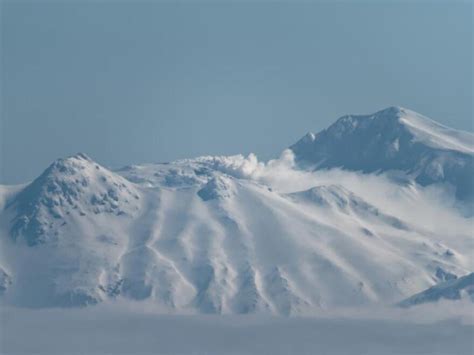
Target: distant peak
[(393, 110), (80, 156), (394, 113), (391, 114), (69, 165)]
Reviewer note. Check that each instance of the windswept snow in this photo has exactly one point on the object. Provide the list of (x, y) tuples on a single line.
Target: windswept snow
[(434, 134)]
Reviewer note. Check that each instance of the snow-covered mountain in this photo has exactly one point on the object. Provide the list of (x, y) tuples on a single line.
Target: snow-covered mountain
[(234, 235), (393, 139)]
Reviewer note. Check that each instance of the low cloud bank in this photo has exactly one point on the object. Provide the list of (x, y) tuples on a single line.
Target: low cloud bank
[(435, 205), (140, 328)]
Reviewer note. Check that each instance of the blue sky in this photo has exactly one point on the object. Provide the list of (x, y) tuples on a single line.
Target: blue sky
[(135, 82)]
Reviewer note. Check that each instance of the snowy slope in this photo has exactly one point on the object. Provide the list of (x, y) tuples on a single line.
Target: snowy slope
[(224, 235), (393, 139), (453, 289), (63, 233)]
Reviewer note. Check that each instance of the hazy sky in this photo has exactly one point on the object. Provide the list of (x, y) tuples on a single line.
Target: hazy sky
[(156, 81)]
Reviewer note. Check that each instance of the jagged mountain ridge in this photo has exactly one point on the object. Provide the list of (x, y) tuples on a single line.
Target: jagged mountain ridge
[(393, 139), (200, 235)]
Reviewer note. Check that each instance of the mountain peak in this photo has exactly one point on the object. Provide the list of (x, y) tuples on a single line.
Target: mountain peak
[(392, 110), (81, 156), (395, 114), (78, 157), (394, 138), (389, 114), (386, 119), (69, 188)]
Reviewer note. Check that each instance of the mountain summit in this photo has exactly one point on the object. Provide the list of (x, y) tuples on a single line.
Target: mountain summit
[(393, 139), (69, 188)]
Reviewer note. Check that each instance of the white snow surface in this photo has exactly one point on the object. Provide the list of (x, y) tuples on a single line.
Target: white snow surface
[(227, 235), (436, 135)]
